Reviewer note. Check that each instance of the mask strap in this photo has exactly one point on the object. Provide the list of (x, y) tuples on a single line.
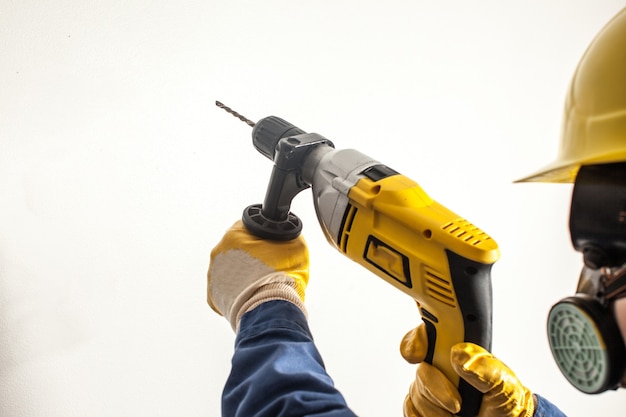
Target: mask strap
[(614, 282)]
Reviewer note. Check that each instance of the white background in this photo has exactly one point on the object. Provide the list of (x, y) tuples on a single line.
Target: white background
[(118, 175)]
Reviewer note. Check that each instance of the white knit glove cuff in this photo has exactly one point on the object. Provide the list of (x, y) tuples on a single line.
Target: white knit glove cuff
[(272, 291), (239, 282)]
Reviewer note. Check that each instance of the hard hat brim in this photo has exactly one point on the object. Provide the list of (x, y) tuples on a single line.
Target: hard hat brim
[(564, 171), (553, 173)]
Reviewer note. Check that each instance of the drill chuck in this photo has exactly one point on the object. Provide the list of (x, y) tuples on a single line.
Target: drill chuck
[(268, 131)]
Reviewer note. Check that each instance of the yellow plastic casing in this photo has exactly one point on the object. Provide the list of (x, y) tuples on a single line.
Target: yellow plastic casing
[(395, 230)]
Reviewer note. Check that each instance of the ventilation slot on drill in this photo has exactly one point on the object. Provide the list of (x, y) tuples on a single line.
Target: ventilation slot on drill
[(439, 288), (467, 232), (346, 226)]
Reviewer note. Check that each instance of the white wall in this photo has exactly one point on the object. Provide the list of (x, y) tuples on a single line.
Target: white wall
[(118, 175)]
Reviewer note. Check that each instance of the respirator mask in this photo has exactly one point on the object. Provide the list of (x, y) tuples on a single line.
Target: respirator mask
[(584, 336)]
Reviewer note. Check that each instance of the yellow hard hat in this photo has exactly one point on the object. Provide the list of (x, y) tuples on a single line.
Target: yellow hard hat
[(594, 123)]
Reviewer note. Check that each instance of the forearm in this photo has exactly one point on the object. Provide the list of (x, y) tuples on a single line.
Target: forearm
[(546, 409), (276, 370)]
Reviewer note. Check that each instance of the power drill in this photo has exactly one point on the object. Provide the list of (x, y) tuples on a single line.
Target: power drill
[(385, 222)]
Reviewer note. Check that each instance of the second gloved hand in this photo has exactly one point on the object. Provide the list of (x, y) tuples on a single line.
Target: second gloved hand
[(246, 271), (433, 395)]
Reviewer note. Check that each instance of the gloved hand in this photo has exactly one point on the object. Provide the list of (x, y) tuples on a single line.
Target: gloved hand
[(433, 395), (246, 271)]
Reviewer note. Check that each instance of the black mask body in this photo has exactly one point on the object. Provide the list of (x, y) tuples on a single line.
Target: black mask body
[(582, 330)]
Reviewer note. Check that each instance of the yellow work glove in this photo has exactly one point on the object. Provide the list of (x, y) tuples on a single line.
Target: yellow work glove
[(246, 271), (433, 395)]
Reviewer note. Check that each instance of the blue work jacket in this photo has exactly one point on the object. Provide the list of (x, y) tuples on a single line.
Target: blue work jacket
[(277, 370)]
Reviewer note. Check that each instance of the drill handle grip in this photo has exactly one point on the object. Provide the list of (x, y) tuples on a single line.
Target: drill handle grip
[(472, 284)]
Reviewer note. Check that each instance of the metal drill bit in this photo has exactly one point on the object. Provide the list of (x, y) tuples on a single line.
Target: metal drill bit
[(234, 113)]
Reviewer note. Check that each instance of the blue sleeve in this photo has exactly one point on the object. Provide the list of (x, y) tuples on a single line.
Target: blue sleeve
[(276, 369), (546, 409)]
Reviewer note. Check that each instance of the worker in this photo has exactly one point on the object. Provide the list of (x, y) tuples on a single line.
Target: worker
[(258, 286), (592, 155)]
